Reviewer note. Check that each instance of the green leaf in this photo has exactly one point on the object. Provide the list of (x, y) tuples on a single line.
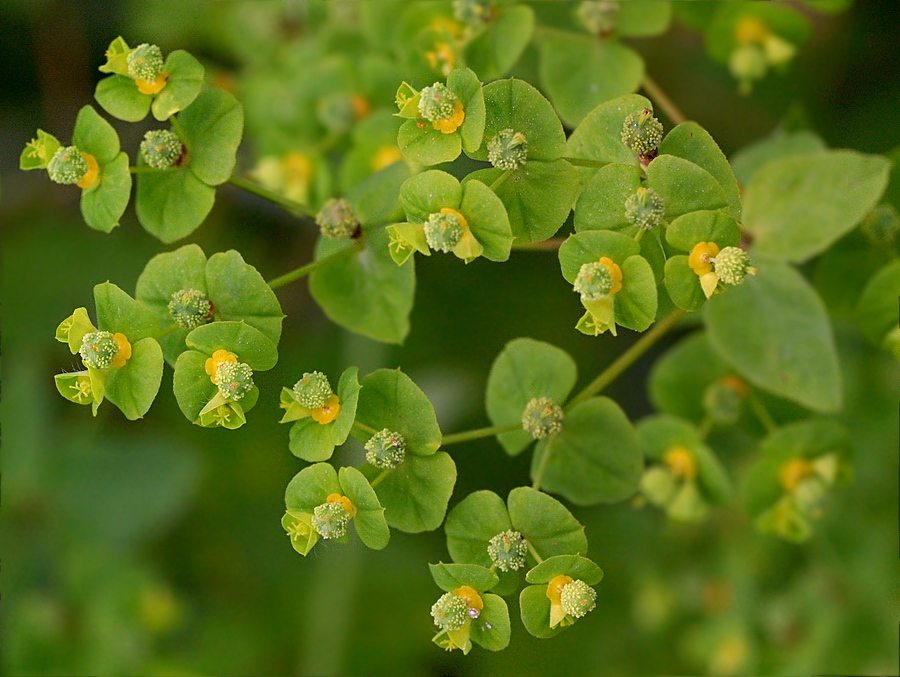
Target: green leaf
[(773, 329), (248, 343), (212, 128), (693, 143), (877, 311), (683, 186), (448, 577), (546, 523), (538, 196), (648, 17), (487, 220), (133, 387), (466, 85), (470, 525), (415, 494), (515, 104), (580, 73), (683, 284), (797, 206), (526, 369), (118, 312), (427, 146), (95, 135), (779, 145), (310, 487), (703, 226), (594, 459), (311, 440), (365, 292), (491, 630), (389, 399), (348, 395), (495, 51), (103, 204), (574, 566), (171, 204), (191, 384), (590, 246), (427, 193), (601, 205), (118, 95), (534, 607), (369, 519), (182, 86)]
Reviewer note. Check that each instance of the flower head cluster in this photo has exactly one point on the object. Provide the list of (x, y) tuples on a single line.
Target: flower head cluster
[(507, 150), (145, 62), (730, 265), (386, 449), (68, 166), (437, 103), (450, 612), (475, 13), (337, 220), (103, 349), (542, 417), (233, 379), (444, 230), (330, 519), (161, 148), (570, 599), (600, 17), (313, 390), (642, 132), (645, 209), (672, 485), (507, 550), (190, 308)]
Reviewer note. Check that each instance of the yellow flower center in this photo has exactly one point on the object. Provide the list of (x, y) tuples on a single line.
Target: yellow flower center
[(795, 471), (462, 219), (700, 256), (735, 383), (441, 57), (385, 157), (344, 501), (452, 123), (555, 586), (328, 411), (472, 598), (681, 462), (750, 30), (124, 353), (93, 172), (154, 87), (218, 357)]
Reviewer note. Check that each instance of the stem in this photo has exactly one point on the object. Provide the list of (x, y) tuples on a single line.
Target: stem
[(629, 357), (546, 245), (759, 409), (265, 193), (500, 179), (379, 478), (584, 162), (177, 127), (539, 473), (364, 428), (705, 426), (638, 235), (533, 552), (659, 97), (303, 271), (478, 433)]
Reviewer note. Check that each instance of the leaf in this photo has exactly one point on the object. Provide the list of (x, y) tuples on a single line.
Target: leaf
[(594, 459), (487, 220), (389, 399), (703, 226), (212, 128), (580, 73), (103, 204), (133, 387), (365, 292), (495, 51), (182, 86), (546, 523), (117, 312), (797, 206), (119, 96), (369, 519), (427, 193), (248, 343), (310, 487), (534, 607), (590, 246), (683, 284), (773, 329), (649, 17), (574, 566), (472, 523), (684, 187), (526, 369), (427, 146), (448, 577), (171, 204), (191, 384), (311, 440), (877, 311), (95, 136), (491, 630), (348, 395), (415, 494), (778, 145), (601, 205), (466, 85)]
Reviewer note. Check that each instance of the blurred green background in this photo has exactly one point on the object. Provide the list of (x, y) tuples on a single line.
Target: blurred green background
[(154, 547)]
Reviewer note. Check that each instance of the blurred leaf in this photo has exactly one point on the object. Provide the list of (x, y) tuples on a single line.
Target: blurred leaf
[(877, 311), (747, 161), (496, 50)]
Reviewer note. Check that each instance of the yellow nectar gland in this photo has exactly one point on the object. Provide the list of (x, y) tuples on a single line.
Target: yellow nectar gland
[(328, 411), (750, 30), (792, 473), (124, 353), (473, 599), (385, 157), (452, 123), (361, 107), (441, 58), (218, 357), (93, 173), (344, 501), (681, 462), (555, 586), (736, 384), (154, 87), (700, 256), (615, 271), (462, 219)]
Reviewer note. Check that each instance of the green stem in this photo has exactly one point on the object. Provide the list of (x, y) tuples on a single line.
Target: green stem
[(584, 162), (303, 271), (541, 469), (178, 129), (364, 428), (379, 478), (547, 245), (706, 425), (478, 433), (500, 179), (265, 193), (638, 235), (759, 409), (629, 357), (533, 552), (662, 100)]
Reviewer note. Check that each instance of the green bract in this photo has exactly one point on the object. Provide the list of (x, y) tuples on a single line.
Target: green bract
[(171, 203), (174, 85), (539, 616), (429, 198), (131, 386), (545, 524), (320, 485), (315, 434), (178, 285)]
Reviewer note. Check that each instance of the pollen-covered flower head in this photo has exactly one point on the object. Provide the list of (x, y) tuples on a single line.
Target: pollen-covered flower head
[(161, 148), (313, 390), (234, 379), (330, 519), (598, 279), (600, 17), (337, 220), (68, 166), (98, 349), (437, 103), (190, 308), (732, 265), (542, 418), (145, 62), (508, 149), (507, 550), (577, 598), (444, 230), (450, 612), (642, 132), (386, 449), (645, 208)]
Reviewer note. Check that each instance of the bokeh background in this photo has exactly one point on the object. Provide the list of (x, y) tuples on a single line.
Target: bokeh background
[(154, 547)]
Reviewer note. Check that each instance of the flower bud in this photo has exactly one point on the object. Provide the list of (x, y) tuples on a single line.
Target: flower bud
[(600, 17), (161, 148), (507, 550), (642, 132), (234, 379), (313, 390), (437, 103), (190, 308), (99, 349), (330, 520), (336, 219), (474, 13), (68, 166), (645, 209), (732, 265), (594, 281), (508, 149), (450, 612), (443, 231), (386, 449), (145, 63), (577, 598), (747, 64), (542, 418)]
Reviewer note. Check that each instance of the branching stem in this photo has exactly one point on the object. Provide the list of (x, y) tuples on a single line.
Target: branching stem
[(303, 271), (364, 428), (478, 433), (547, 245), (271, 196), (533, 552)]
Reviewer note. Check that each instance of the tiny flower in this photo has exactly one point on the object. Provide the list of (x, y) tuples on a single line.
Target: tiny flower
[(313, 390), (336, 219), (732, 265), (145, 66), (450, 612), (441, 107), (330, 519), (475, 13), (598, 279), (507, 550), (70, 166), (234, 379), (645, 209), (577, 598), (103, 349), (508, 149), (190, 308), (641, 132), (161, 148), (699, 261), (386, 449), (792, 473), (681, 461), (445, 229), (542, 418), (599, 16)]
